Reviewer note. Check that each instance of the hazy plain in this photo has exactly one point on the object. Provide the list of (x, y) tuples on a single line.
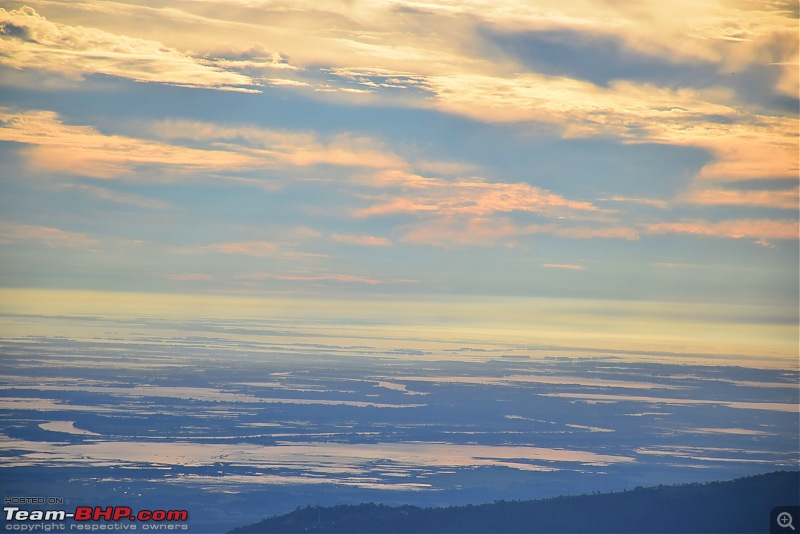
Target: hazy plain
[(236, 421)]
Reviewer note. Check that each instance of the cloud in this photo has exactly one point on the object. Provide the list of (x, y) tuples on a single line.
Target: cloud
[(55, 147), (473, 197), (789, 200), (378, 37), (474, 211), (568, 266), (734, 229), (81, 150), (191, 277), (387, 49), (607, 231), (344, 278), (285, 147), (451, 231), (399, 179), (245, 248), (745, 147), (13, 232), (254, 58), (652, 202), (253, 248), (109, 195), (383, 48), (374, 79), (286, 82), (364, 240), (729, 34), (328, 277), (446, 167), (30, 41)]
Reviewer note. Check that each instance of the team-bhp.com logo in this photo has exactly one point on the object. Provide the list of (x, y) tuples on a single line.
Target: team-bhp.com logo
[(94, 518)]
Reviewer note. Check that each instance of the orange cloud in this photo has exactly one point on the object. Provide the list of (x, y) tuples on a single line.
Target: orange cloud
[(11, 232), (750, 147), (366, 240), (82, 150), (588, 232), (243, 248), (450, 231), (745, 145), (462, 230), (454, 168), (726, 197), (735, 229), (582, 107), (466, 212), (114, 196), (399, 178), (291, 148), (246, 248), (476, 197), (655, 203)]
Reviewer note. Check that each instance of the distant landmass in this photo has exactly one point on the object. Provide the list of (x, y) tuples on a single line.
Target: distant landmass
[(740, 505)]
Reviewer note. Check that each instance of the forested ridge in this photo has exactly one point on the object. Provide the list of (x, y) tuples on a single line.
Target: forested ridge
[(740, 505)]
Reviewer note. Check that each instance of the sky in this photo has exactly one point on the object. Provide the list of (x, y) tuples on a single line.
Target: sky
[(590, 172)]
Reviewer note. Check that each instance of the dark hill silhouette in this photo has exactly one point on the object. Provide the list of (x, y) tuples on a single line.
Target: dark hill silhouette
[(740, 505)]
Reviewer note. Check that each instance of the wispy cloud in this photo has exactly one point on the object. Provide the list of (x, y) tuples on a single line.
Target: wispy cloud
[(567, 266), (475, 212), (789, 200), (30, 41), (501, 231), (13, 232), (344, 278), (734, 229), (285, 147), (652, 202), (55, 148), (110, 195), (364, 240), (463, 231), (475, 197), (191, 277), (337, 278), (81, 150), (244, 248)]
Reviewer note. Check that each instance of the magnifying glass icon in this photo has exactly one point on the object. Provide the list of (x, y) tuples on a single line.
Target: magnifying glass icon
[(785, 520)]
